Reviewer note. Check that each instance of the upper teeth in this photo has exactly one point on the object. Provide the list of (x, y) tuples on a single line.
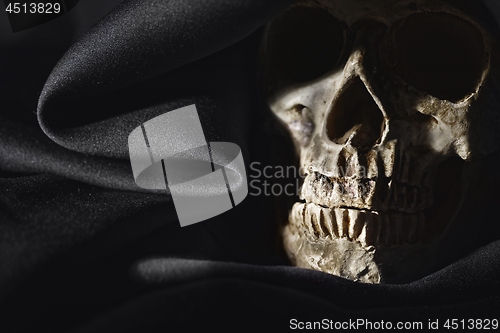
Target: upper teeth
[(370, 228), (380, 194)]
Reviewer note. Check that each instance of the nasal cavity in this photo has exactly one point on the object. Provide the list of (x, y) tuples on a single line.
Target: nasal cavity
[(355, 117)]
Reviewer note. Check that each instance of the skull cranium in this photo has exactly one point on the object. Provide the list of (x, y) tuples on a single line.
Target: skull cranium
[(387, 103)]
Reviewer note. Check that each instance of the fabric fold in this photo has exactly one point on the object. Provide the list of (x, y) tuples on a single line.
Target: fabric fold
[(99, 77)]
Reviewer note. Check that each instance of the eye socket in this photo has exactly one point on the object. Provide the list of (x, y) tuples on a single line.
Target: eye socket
[(303, 43), (440, 54)]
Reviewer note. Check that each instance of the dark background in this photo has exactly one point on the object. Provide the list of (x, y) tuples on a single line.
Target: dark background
[(83, 249)]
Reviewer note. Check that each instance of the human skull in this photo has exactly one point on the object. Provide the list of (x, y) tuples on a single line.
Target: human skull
[(389, 103)]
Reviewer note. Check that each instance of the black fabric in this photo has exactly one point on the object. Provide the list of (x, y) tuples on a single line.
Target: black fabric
[(83, 249)]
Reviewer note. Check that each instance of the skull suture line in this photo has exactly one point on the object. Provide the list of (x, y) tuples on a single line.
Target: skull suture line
[(387, 102)]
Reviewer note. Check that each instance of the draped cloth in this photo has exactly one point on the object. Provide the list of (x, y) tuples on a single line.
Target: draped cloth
[(84, 249)]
